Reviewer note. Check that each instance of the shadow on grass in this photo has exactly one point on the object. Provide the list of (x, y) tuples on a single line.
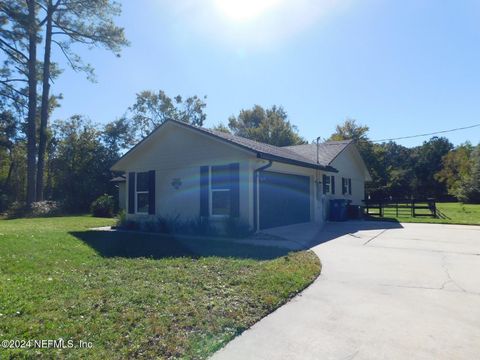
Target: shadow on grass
[(135, 245)]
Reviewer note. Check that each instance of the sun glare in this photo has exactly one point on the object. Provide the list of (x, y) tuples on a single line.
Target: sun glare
[(245, 10)]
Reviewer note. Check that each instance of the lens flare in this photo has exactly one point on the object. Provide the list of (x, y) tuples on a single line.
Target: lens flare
[(245, 10)]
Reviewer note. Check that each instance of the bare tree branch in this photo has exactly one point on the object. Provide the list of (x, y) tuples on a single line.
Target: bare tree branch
[(12, 80), (16, 51), (10, 87), (72, 64)]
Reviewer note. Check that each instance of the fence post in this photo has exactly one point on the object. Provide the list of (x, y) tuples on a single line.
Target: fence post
[(397, 208), (413, 208)]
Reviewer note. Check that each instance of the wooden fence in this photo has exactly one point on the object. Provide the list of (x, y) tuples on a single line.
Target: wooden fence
[(401, 208)]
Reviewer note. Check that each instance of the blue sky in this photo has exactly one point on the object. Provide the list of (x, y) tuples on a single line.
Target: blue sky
[(400, 67)]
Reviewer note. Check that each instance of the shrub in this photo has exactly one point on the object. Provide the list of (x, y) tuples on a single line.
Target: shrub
[(103, 206), (121, 219), (149, 226), (44, 208), (17, 209), (170, 225), (199, 226), (37, 209), (131, 225), (235, 227), (3, 202)]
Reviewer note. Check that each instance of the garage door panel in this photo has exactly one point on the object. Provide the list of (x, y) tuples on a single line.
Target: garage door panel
[(284, 199)]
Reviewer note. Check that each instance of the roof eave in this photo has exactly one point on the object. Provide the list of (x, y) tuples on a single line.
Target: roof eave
[(265, 156)]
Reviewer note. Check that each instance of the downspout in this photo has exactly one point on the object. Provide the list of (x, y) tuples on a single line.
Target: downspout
[(318, 198), (255, 193)]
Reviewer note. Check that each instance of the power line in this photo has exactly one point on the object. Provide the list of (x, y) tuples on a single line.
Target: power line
[(428, 134)]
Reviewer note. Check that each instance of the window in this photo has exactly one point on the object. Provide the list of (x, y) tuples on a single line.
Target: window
[(326, 184), (220, 190), (346, 186), (332, 184), (142, 192)]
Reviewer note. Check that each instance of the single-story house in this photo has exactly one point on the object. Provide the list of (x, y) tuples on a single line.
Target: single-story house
[(185, 171)]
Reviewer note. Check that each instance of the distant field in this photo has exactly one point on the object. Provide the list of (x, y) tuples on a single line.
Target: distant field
[(449, 213)]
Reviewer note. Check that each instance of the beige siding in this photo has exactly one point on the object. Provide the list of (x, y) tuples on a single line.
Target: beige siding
[(348, 166), (178, 153), (177, 147), (121, 195)]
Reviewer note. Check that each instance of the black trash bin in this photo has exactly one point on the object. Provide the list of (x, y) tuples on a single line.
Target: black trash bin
[(338, 210), (354, 212)]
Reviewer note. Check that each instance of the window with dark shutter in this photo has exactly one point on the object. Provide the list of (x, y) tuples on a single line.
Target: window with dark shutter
[(332, 182), (220, 190), (350, 186), (326, 184), (142, 196)]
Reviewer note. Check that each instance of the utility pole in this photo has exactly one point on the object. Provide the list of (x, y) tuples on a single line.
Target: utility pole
[(318, 150)]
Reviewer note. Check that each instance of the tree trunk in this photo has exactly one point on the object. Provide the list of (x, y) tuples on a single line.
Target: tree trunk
[(42, 145), (6, 186), (32, 101)]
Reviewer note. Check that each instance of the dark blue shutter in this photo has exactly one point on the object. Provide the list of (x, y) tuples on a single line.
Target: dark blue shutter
[(343, 186), (131, 193), (234, 189), (324, 181), (204, 211), (332, 182), (350, 186), (151, 192)]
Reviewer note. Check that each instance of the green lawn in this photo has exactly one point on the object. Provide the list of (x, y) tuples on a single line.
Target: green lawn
[(448, 213), (135, 296)]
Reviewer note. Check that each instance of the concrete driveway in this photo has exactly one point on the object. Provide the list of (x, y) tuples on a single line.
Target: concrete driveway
[(387, 291)]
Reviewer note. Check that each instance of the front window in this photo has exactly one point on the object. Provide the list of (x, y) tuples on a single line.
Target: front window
[(220, 190), (326, 184), (142, 192), (347, 186), (220, 202)]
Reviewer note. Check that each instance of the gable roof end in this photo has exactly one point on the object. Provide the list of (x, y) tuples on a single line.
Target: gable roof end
[(262, 150), (327, 151)]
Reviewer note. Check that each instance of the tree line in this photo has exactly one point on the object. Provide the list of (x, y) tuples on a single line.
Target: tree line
[(54, 29), (436, 169), (79, 153), (68, 160)]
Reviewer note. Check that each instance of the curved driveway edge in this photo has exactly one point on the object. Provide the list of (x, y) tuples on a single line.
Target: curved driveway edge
[(386, 291)]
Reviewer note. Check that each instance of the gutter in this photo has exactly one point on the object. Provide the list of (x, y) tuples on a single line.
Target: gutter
[(255, 193)]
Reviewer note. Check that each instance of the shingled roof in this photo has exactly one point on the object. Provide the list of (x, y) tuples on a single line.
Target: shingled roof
[(301, 155), (327, 151), (286, 154)]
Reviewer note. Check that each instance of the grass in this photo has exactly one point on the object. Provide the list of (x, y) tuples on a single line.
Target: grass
[(448, 213), (132, 295)]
